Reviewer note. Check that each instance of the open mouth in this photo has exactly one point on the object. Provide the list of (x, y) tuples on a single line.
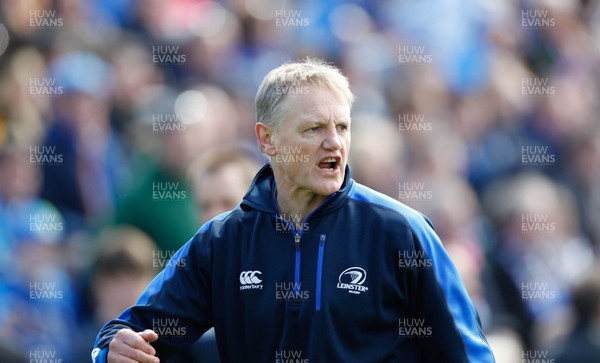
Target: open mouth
[(329, 163)]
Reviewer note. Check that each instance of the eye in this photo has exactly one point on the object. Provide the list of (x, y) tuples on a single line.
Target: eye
[(313, 129), (342, 127)]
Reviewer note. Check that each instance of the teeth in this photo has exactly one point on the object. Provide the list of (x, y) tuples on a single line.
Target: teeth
[(329, 160)]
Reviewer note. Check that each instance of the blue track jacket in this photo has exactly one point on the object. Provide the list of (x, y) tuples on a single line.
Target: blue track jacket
[(366, 279)]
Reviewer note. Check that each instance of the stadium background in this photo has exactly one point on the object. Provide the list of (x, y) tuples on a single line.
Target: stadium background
[(481, 114)]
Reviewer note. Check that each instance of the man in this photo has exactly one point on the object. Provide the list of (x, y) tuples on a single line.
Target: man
[(311, 266), (220, 178), (123, 266)]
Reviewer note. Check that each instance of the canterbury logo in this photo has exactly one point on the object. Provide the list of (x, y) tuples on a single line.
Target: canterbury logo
[(352, 279), (250, 280), (249, 277)]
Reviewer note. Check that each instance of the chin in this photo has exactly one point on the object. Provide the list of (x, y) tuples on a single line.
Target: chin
[(328, 188)]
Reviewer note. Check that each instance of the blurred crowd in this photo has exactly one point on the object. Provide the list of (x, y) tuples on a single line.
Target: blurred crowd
[(125, 124)]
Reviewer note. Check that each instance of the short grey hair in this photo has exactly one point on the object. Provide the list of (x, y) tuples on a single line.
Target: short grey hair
[(292, 78)]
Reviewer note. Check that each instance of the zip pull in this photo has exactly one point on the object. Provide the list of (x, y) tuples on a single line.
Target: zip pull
[(297, 241), (322, 239)]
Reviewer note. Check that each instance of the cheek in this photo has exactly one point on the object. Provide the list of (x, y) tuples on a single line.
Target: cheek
[(347, 141), (303, 171)]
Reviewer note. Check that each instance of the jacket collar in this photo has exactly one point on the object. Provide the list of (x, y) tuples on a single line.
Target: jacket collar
[(260, 195)]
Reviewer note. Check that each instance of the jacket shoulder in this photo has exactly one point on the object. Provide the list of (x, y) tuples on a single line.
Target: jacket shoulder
[(220, 225), (392, 208)]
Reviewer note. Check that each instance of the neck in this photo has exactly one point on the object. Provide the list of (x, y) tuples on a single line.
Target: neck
[(297, 205)]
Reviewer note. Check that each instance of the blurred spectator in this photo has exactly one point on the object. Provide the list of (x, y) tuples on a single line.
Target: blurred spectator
[(39, 304), (159, 192), (376, 146), (541, 247), (84, 180), (35, 278), (582, 345), (220, 178), (583, 179), (506, 345), (25, 113), (134, 74), (181, 126), (126, 261), (10, 354)]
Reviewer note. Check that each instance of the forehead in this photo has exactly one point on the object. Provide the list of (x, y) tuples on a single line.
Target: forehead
[(225, 182), (317, 102)]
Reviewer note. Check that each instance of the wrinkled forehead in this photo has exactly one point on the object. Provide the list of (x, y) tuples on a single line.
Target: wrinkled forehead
[(317, 100)]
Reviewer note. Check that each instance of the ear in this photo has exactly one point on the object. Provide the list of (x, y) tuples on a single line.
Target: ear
[(264, 135)]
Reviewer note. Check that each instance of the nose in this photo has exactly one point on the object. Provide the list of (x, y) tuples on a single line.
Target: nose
[(332, 140)]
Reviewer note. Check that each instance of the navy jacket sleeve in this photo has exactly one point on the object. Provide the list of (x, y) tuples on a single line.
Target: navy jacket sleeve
[(437, 296), (443, 303), (176, 304)]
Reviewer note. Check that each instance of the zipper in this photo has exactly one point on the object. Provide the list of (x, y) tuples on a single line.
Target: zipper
[(297, 264), (322, 239), (298, 237)]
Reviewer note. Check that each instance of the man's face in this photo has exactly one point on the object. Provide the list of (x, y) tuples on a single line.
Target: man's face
[(220, 190), (310, 148)]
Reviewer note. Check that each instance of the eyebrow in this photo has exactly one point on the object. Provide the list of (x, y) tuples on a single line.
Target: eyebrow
[(320, 122)]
